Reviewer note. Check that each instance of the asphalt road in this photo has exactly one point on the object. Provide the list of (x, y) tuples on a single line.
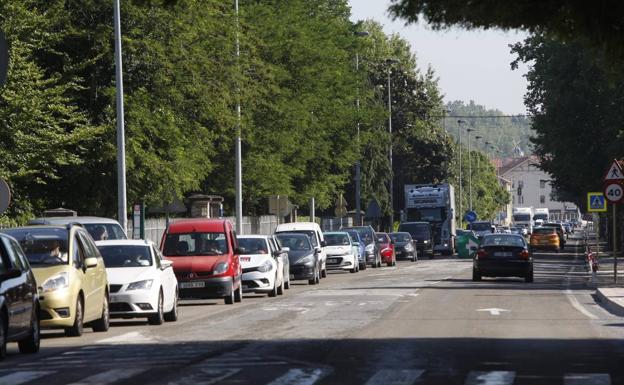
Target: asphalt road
[(417, 323)]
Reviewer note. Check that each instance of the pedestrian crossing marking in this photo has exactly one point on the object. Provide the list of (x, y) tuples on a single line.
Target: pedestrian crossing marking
[(300, 377), (109, 376), (395, 377), (22, 377), (587, 379), (497, 377)]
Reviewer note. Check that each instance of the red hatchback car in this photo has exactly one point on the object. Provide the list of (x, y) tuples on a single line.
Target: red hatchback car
[(205, 257), (386, 248)]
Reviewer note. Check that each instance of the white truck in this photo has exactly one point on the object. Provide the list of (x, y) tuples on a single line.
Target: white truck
[(523, 217), (540, 216)]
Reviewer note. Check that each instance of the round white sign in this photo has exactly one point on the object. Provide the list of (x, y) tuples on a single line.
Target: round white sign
[(614, 192)]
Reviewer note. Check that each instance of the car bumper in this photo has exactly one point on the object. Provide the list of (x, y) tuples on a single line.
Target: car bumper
[(401, 254), (57, 309), (212, 288), (497, 268), (342, 262), (542, 246), (258, 282), (300, 272), (138, 304), (371, 257)]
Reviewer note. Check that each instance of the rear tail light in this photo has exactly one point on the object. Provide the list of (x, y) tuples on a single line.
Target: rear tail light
[(482, 253), (524, 254)]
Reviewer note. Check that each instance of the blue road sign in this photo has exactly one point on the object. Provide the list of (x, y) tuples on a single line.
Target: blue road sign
[(596, 202), (470, 216)]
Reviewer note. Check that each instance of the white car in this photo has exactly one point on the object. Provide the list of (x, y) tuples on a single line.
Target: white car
[(342, 254), (141, 281), (265, 265)]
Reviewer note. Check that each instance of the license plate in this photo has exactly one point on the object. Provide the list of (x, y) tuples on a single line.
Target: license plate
[(332, 260), (545, 241), (192, 285), (503, 254), (245, 259), (292, 276)]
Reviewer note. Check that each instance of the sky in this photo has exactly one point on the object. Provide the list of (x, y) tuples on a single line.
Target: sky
[(471, 65)]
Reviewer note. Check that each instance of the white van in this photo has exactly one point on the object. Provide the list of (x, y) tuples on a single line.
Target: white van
[(313, 231)]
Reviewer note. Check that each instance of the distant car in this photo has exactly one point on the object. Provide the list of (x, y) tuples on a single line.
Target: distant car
[(367, 233), (516, 230), (342, 254), (99, 228), (71, 276), (141, 281), (404, 246), (560, 232), (312, 230), (19, 300), (504, 230), (304, 259), (545, 238), (361, 247), (386, 245), (503, 255), (422, 234), (481, 228), (266, 268)]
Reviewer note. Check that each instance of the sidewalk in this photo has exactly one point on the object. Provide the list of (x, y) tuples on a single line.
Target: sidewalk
[(608, 293)]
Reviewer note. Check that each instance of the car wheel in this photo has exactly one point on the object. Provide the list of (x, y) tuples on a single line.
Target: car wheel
[(431, 255), (280, 289), (363, 266), (414, 258), (102, 324), (273, 292), (238, 295), (379, 261), (76, 329), (31, 343), (324, 273), (318, 278), (158, 318), (172, 315), (3, 337), (529, 277), (476, 276), (287, 283), (389, 264), (313, 281)]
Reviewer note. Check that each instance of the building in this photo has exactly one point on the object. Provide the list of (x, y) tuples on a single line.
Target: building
[(530, 186), (504, 215)]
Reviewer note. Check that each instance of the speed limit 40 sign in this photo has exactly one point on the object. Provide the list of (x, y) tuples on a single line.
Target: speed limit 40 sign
[(614, 192)]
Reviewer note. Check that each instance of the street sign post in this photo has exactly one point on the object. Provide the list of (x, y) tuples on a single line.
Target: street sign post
[(596, 202), (614, 192)]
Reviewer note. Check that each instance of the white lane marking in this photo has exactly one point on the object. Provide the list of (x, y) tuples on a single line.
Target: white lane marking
[(243, 364), (109, 376), (494, 310), (127, 338), (214, 377), (576, 304), (300, 377), (395, 377), (22, 377), (497, 377), (587, 379)]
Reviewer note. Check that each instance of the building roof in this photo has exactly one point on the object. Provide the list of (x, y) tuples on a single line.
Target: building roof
[(508, 164)]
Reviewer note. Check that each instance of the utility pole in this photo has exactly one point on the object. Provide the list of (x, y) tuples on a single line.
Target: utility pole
[(389, 62), (459, 145), (238, 150), (358, 175), (469, 130), (122, 213)]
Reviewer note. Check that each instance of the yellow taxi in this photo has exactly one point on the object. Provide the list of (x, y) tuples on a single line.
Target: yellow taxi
[(544, 238), (70, 275)]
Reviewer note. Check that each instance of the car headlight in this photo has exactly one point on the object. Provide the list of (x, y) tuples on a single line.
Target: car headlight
[(425, 241), (140, 285), (370, 247), (409, 247), (221, 268), (305, 260), (266, 266), (55, 282)]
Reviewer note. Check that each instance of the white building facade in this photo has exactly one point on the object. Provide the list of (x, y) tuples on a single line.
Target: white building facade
[(530, 186)]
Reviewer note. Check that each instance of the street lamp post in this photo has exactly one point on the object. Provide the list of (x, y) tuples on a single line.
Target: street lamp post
[(358, 177), (459, 146), (478, 139), (389, 63), (238, 150), (122, 213), (469, 130)]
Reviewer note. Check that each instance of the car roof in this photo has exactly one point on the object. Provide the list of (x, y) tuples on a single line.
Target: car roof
[(401, 232), (197, 224), (336, 232), (126, 242), (414, 223), (253, 236), (297, 226), (67, 220)]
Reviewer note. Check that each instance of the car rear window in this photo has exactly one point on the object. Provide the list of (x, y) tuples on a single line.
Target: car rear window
[(103, 231), (421, 229), (401, 237), (481, 226), (544, 230), (126, 255), (180, 244), (502, 240)]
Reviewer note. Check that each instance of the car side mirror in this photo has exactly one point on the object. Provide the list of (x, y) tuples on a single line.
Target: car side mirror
[(356, 244), (165, 263), (323, 244), (10, 274), (317, 250), (286, 249), (90, 262), (239, 250)]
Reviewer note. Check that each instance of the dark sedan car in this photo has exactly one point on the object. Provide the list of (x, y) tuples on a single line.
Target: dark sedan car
[(404, 246), (304, 260), (19, 301), (503, 255)]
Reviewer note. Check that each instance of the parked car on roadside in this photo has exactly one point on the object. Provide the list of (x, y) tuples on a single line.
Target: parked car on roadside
[(422, 234), (503, 255), (99, 228), (342, 254), (304, 259), (19, 300), (141, 281), (312, 230), (404, 246), (386, 245), (71, 276), (205, 257), (544, 238), (265, 265), (358, 242), (367, 234)]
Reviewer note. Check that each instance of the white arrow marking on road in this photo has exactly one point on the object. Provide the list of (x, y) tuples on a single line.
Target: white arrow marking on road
[(494, 310)]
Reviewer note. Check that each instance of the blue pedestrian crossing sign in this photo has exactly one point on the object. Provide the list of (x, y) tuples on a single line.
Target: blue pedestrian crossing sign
[(596, 202)]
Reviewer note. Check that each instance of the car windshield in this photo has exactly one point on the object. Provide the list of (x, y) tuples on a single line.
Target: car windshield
[(310, 233), (401, 237), (253, 245), (365, 234), (421, 229), (481, 226), (382, 238), (126, 255), (355, 237), (43, 246), (103, 231), (183, 244), (295, 242), (337, 239), (522, 217), (502, 240), (544, 230)]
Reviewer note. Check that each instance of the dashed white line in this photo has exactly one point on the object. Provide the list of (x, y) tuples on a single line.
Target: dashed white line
[(300, 377), (395, 377), (109, 376), (497, 377), (587, 379)]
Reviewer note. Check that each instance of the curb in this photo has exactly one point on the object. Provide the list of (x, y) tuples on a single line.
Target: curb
[(610, 303)]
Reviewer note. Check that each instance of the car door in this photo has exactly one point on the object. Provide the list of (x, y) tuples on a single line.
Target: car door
[(165, 275), (10, 289), (27, 285), (96, 276), (276, 255)]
